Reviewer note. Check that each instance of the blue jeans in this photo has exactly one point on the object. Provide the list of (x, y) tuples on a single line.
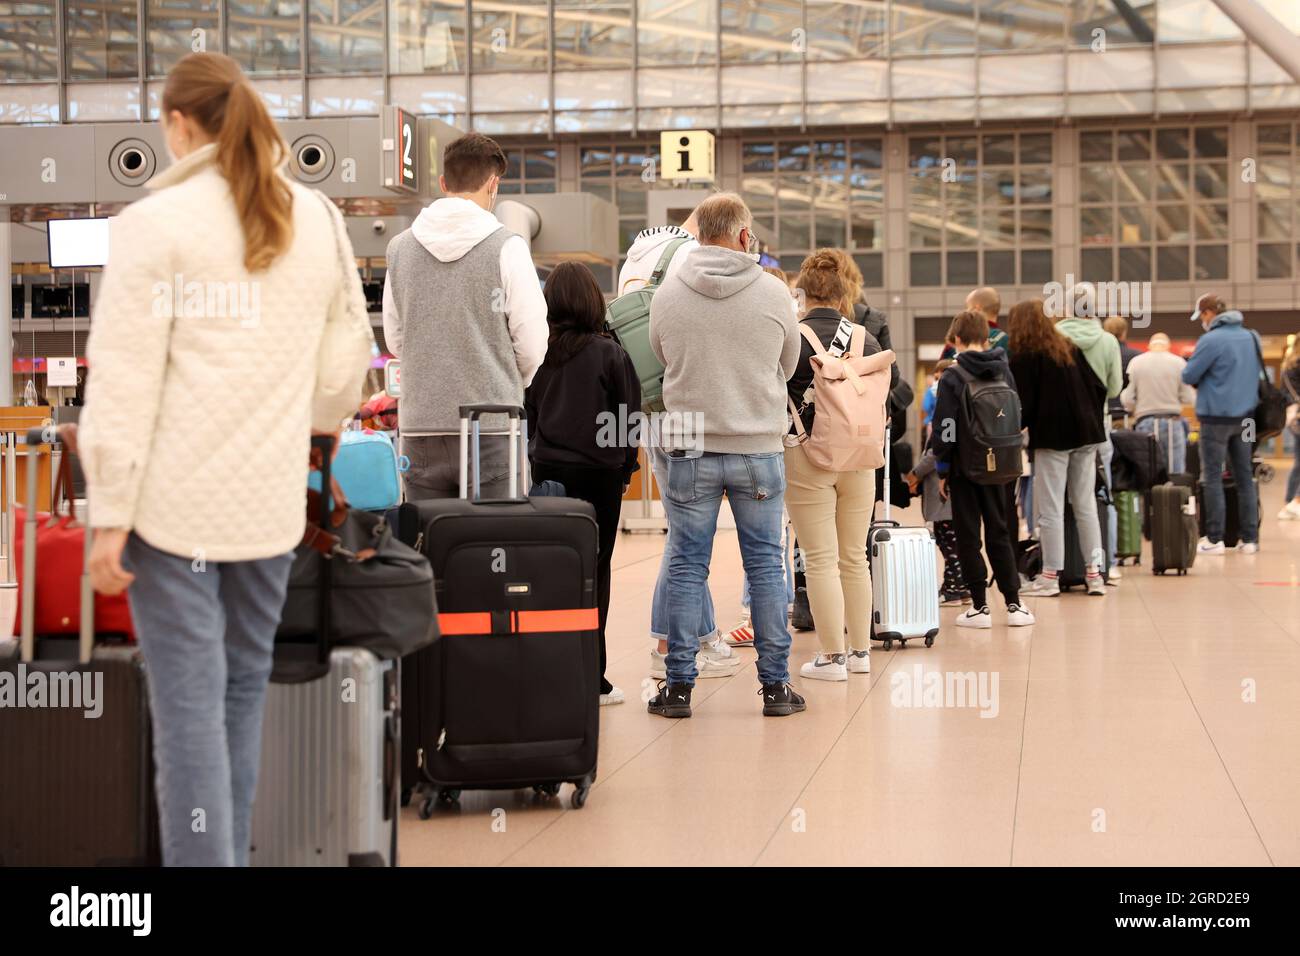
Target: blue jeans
[(1220, 442), (755, 487), (707, 627), (1172, 437), (787, 570), (206, 633)]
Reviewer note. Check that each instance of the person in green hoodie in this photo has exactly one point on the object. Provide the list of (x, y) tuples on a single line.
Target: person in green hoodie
[(1101, 351)]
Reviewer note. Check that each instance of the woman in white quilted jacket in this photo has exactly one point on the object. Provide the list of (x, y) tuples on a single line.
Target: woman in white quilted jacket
[(229, 291)]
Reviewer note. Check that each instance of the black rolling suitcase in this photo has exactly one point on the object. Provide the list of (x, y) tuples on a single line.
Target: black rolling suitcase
[(508, 696), (1173, 527), (1074, 572), (75, 789)]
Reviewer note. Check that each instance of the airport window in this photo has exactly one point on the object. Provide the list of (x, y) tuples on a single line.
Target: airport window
[(1194, 21), (677, 32), (1093, 22), (845, 31), (933, 26), (345, 36), (623, 174), (980, 209), (28, 45), (1016, 25), (265, 36), (171, 25), (810, 193), (101, 40), (426, 36), (593, 35), (1275, 201), (1153, 204), (529, 170), (761, 31), (512, 36)]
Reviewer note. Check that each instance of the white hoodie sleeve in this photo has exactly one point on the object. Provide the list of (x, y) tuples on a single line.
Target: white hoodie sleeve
[(392, 322), (525, 308)]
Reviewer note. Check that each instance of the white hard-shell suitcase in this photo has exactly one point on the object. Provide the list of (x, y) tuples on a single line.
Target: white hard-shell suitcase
[(904, 578)]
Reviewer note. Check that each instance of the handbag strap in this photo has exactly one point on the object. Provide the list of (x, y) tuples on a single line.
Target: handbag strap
[(348, 268), (1259, 353)]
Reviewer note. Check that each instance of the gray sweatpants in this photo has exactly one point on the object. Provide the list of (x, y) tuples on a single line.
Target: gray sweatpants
[(435, 467), (1054, 472)]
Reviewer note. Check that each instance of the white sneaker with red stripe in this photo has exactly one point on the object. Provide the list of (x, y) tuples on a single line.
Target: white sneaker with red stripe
[(742, 635)]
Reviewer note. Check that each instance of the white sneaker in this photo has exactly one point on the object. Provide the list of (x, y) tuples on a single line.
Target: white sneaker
[(717, 650), (1206, 546), (709, 662), (615, 696), (1042, 586), (1095, 584), (1286, 514), (975, 617), (1018, 616), (1248, 547), (859, 662), (825, 667), (742, 635), (1113, 573)]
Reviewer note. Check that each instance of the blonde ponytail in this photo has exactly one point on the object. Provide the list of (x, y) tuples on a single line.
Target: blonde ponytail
[(211, 90)]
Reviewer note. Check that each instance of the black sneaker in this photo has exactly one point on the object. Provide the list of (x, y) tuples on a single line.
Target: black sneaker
[(801, 618), (780, 700), (673, 700)]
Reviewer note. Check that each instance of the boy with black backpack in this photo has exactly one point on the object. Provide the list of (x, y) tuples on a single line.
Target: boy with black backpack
[(975, 439)]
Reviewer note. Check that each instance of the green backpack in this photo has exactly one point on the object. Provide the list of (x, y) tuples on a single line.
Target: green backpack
[(628, 320)]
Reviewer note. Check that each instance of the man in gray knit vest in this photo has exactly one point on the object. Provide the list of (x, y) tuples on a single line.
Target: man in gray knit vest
[(464, 312)]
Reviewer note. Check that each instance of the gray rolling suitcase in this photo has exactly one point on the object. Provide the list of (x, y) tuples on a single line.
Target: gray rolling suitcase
[(327, 789), (328, 786)]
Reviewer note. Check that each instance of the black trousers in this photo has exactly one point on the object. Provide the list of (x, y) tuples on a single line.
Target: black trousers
[(945, 536), (971, 504), (603, 488)]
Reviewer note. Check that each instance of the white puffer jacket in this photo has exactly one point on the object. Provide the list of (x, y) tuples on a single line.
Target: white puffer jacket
[(196, 431)]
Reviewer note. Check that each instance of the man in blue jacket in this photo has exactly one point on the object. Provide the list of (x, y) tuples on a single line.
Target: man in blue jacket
[(1225, 370)]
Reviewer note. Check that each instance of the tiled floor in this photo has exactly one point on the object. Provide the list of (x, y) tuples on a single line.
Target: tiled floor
[(1159, 725)]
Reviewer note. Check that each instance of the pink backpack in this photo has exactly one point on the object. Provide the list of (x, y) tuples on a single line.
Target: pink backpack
[(850, 393)]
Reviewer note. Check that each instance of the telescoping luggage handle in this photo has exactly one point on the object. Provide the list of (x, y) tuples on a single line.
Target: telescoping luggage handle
[(326, 445), (36, 437), (470, 416)]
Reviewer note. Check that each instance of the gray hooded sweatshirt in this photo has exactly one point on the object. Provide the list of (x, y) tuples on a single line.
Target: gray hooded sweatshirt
[(727, 335)]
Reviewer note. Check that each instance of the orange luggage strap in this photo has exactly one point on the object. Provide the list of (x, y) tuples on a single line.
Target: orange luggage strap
[(519, 622)]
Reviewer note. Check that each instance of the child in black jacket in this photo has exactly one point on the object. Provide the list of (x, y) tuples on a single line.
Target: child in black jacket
[(973, 502)]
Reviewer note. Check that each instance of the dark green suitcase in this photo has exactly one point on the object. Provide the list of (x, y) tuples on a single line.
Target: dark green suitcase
[(1128, 535)]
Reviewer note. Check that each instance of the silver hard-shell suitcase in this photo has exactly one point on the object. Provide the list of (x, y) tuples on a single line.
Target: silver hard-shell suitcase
[(328, 786), (327, 789), (904, 579)]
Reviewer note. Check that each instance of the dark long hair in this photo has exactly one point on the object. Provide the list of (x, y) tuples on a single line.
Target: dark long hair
[(1030, 330), (575, 309)]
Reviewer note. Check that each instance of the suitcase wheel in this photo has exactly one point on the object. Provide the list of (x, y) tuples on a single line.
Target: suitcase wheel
[(902, 643), (929, 639), (446, 795), (547, 789), (582, 788), (888, 644)]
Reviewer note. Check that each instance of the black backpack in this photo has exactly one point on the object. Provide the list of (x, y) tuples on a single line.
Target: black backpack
[(988, 443)]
